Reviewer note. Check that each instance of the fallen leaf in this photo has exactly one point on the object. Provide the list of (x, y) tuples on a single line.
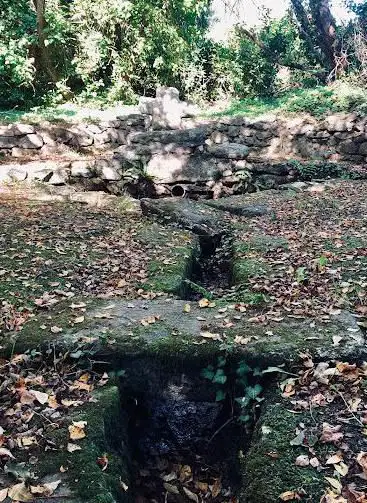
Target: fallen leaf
[(335, 459), (103, 462), (55, 329), (76, 430), (6, 453), (302, 460), (124, 486), (335, 484), (41, 397), (289, 496), (20, 492), (362, 461), (209, 335), (314, 462), (216, 488), (3, 494), (73, 447), (171, 488), (342, 469), (331, 433), (203, 303)]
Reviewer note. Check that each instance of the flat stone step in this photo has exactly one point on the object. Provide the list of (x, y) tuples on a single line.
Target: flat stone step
[(120, 330), (192, 215), (239, 205)]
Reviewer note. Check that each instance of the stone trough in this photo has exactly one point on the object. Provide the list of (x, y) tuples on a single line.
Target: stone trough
[(163, 407)]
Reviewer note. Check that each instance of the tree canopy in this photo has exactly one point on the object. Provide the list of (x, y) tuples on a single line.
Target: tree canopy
[(51, 50)]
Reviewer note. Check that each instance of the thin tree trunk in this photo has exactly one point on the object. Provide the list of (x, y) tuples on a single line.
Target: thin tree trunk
[(46, 62)]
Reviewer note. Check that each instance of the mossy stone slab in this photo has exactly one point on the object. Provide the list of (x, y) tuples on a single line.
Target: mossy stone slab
[(175, 329), (239, 205)]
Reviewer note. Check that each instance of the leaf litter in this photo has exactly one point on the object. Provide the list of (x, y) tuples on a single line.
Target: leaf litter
[(335, 396), (36, 398)]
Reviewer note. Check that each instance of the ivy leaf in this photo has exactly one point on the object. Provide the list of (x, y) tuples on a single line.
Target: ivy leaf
[(220, 377), (254, 391), (220, 395)]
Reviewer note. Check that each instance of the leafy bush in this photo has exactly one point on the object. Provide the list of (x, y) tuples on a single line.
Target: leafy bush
[(316, 169), (17, 23)]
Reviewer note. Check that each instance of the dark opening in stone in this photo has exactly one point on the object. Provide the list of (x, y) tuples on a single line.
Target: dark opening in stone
[(178, 191), (185, 445)]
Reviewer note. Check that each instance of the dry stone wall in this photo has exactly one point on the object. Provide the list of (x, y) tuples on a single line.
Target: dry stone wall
[(221, 156)]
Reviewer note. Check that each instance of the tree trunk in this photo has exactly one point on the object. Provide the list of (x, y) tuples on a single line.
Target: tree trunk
[(325, 29), (306, 30), (45, 60)]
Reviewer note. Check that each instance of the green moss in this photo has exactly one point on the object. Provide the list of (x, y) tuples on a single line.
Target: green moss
[(261, 244), (269, 468), (243, 269), (172, 253), (105, 435)]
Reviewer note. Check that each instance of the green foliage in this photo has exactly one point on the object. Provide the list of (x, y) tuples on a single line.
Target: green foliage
[(115, 50), (346, 96), (316, 169), (239, 384), (17, 25)]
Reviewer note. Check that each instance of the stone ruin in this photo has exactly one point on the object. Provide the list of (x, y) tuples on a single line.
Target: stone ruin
[(164, 151)]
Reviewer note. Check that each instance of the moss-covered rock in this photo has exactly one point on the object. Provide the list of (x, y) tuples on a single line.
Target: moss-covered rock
[(105, 435), (172, 254), (174, 329), (269, 467)]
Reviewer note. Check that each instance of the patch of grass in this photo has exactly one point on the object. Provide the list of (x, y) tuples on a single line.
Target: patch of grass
[(318, 101), (67, 112)]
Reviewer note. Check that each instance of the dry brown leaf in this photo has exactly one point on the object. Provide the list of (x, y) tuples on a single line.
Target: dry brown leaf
[(202, 486), (76, 430), (362, 461), (331, 433), (342, 469), (354, 496), (52, 402), (209, 335), (55, 329), (302, 460), (27, 441), (20, 492), (204, 303), (26, 397), (335, 484), (41, 397), (185, 473), (50, 487), (289, 496), (3, 494), (6, 453), (216, 488), (334, 459), (314, 462), (170, 488)]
